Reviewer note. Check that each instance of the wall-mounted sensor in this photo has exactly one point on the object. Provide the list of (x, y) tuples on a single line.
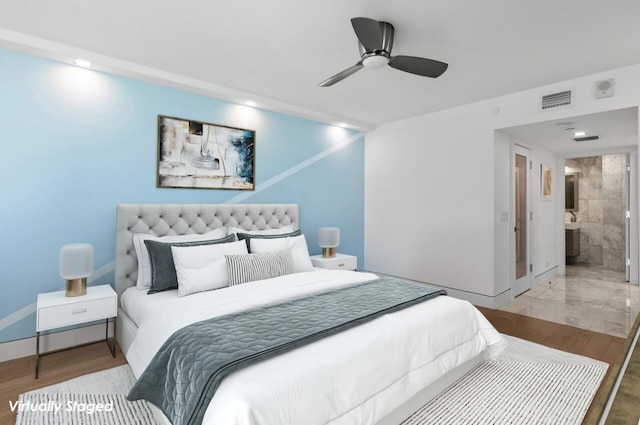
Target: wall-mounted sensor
[(605, 88)]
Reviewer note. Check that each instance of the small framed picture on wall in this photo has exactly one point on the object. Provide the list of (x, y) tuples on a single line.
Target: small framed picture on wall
[(546, 182)]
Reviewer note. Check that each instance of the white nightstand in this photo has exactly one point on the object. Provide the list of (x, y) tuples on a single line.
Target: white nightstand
[(56, 310), (340, 261)]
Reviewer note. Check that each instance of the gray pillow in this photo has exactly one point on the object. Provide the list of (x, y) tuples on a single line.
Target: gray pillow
[(252, 267), (163, 271), (247, 237)]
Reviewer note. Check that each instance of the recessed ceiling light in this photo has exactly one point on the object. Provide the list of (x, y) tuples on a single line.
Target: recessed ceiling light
[(343, 125), (250, 103), (83, 63), (579, 133)]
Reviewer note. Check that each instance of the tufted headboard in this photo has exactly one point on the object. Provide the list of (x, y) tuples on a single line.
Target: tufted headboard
[(183, 219)]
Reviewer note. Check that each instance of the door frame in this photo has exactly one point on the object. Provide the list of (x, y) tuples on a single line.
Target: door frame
[(634, 207), (519, 286)]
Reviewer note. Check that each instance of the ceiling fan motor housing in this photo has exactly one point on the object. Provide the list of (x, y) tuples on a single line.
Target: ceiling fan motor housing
[(386, 30)]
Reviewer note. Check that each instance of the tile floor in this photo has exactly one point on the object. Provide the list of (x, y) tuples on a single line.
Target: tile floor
[(587, 297)]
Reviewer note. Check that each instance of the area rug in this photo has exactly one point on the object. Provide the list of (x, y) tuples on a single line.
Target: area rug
[(527, 384), (82, 409), (515, 393)]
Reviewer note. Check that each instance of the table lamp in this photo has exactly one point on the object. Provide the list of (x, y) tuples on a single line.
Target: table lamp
[(328, 240), (76, 263)]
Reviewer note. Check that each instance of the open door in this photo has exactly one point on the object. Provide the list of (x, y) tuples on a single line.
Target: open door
[(627, 220), (521, 213)]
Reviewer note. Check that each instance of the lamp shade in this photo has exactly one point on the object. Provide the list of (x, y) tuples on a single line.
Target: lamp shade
[(328, 237), (76, 260)]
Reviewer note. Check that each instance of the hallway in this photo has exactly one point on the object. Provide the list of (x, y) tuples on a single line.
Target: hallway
[(587, 297)]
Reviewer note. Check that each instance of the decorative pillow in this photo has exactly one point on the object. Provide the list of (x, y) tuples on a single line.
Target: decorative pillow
[(163, 271), (252, 267), (249, 236), (144, 266), (203, 267), (279, 231), (297, 245)]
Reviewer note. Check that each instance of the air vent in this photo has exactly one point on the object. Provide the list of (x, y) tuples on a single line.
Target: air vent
[(557, 100), (586, 139)]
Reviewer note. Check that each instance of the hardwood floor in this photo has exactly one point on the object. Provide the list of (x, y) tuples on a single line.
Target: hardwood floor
[(562, 337), (626, 403), (17, 376)]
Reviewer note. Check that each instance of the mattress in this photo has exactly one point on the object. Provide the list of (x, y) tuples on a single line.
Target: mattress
[(138, 304), (357, 376)]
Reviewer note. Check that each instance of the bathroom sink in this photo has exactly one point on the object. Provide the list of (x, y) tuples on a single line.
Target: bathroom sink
[(571, 226)]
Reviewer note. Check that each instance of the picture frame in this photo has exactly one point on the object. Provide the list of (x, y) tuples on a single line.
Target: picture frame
[(546, 182), (199, 155)]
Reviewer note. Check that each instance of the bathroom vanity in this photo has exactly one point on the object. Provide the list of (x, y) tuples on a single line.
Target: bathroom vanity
[(572, 239)]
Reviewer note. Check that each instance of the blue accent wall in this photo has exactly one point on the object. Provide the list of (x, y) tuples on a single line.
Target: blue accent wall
[(76, 142)]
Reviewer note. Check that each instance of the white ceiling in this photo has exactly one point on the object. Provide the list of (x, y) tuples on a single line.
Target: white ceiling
[(617, 130), (278, 50)]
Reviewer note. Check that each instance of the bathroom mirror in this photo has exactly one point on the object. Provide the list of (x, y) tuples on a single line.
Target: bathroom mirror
[(571, 191)]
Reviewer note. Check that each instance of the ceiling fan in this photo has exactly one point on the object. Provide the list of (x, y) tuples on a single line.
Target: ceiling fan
[(375, 40)]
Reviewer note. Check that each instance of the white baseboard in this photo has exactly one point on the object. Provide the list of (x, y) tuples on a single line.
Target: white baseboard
[(53, 341), (478, 299), (474, 298), (501, 299), (544, 276)]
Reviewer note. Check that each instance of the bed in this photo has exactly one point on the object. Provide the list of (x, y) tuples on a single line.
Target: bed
[(376, 373)]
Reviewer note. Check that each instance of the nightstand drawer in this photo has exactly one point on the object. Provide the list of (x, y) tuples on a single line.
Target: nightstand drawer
[(343, 263), (77, 312), (339, 262)]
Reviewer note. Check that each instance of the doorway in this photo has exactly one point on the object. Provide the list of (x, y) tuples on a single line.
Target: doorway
[(584, 297), (521, 213), (597, 213)]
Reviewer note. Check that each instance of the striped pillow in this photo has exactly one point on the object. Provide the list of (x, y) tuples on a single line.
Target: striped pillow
[(252, 267)]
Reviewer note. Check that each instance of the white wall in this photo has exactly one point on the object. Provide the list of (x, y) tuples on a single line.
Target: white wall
[(429, 200), (441, 176), (503, 230)]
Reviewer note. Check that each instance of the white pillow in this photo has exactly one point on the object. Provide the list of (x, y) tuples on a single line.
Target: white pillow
[(297, 245), (144, 265), (203, 267), (284, 229)]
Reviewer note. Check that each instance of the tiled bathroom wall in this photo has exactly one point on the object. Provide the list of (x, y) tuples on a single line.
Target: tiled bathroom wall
[(601, 209), (614, 207)]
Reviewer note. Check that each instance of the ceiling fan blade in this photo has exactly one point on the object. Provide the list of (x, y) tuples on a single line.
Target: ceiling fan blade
[(341, 75), (419, 66), (368, 32)]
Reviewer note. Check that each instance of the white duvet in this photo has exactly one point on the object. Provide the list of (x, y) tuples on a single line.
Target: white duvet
[(355, 377)]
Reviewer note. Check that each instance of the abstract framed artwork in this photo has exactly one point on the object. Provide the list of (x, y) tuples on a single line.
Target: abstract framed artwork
[(198, 155), (546, 182)]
